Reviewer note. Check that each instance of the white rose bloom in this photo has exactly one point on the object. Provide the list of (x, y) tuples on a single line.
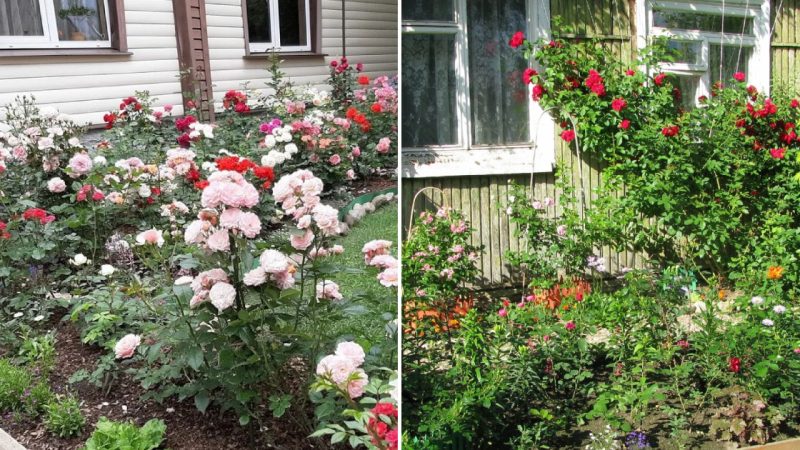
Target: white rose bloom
[(291, 148), (74, 142), (184, 280), (144, 191), (268, 160), (209, 166), (79, 259), (100, 160), (48, 112), (107, 270)]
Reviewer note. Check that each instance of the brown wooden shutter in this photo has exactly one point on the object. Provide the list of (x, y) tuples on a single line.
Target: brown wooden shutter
[(191, 33)]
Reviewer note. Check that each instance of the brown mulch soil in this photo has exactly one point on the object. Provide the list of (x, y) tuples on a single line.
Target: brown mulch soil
[(372, 184), (187, 428)]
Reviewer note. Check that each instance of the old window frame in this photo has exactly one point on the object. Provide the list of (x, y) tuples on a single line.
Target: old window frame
[(313, 24), (465, 157), (50, 38)]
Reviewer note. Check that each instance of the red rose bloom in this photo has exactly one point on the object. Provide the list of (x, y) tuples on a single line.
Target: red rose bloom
[(595, 83), (625, 124), (568, 135), (538, 91), (376, 108), (795, 103), (184, 141), (618, 104), (202, 184), (659, 79), (739, 76), (264, 173), (670, 131), (630, 72), (735, 364), (193, 175), (363, 80), (528, 74), (183, 123), (777, 153), (517, 39)]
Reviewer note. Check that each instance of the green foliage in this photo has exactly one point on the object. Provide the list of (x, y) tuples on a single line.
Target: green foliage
[(110, 435), (64, 417), (13, 383)]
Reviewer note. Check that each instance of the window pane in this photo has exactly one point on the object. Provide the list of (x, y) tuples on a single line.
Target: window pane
[(687, 86), (499, 99), (432, 10), (702, 22), (81, 20), (687, 52), (20, 18), (732, 61), (258, 21), (293, 16), (429, 90)]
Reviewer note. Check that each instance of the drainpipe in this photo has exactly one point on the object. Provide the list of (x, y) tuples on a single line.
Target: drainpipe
[(344, 42)]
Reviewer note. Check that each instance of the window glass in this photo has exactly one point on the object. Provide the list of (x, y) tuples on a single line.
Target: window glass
[(81, 20), (258, 21), (703, 22), (687, 86), (499, 99), (429, 90), (292, 15), (20, 18), (687, 52), (733, 60), (429, 10)]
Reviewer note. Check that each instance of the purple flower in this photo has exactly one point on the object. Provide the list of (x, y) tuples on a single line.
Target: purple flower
[(636, 439)]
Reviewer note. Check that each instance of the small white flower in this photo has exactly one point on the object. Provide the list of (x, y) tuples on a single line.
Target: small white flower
[(100, 160), (17, 315), (270, 141), (38, 318), (107, 270), (767, 323), (79, 259), (756, 301), (144, 191), (186, 279), (779, 309)]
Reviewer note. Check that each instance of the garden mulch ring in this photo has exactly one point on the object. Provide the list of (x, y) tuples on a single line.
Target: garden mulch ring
[(187, 428)]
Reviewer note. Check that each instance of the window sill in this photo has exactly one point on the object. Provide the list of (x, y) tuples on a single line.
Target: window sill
[(15, 53), (285, 55), (447, 162)]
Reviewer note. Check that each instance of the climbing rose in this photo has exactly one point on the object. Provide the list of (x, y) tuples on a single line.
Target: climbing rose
[(778, 153), (618, 104), (568, 135), (528, 74), (659, 79), (625, 124), (126, 346), (517, 39), (739, 76)]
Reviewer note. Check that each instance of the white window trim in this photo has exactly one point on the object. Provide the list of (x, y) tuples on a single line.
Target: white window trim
[(466, 158), (50, 37), (758, 67), (275, 32)]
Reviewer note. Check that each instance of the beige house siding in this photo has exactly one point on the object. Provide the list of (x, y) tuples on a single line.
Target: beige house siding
[(86, 87), (371, 38)]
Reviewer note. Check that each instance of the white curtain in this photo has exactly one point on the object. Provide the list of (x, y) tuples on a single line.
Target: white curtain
[(20, 18), (93, 27)]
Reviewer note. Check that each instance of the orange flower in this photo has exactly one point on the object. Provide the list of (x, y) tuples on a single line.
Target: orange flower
[(721, 294), (775, 272)]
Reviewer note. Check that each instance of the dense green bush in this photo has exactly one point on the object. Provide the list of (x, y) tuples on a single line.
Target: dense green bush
[(110, 435)]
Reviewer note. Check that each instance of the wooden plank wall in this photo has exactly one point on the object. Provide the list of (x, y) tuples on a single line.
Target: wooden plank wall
[(482, 198), (786, 44)]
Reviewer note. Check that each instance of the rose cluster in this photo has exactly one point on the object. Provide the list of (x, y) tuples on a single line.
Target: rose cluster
[(343, 368)]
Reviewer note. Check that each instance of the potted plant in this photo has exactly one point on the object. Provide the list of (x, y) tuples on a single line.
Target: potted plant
[(75, 14)]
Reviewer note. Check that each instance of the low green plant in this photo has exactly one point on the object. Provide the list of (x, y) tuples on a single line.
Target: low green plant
[(111, 435), (64, 417), (14, 381)]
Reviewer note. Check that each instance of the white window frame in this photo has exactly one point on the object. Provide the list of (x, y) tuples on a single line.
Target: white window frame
[(50, 37), (275, 32), (758, 66), (465, 157)]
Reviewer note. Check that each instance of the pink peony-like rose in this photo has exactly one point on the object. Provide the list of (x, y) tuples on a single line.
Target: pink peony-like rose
[(337, 368), (327, 219), (337, 249), (356, 152), (302, 241), (195, 231), (80, 164), (389, 277), (374, 248), (284, 280), (304, 222), (250, 225), (150, 237), (384, 145), (384, 261), (222, 295), (126, 347), (328, 290), (273, 261), (56, 185), (357, 384), (255, 277), (351, 350), (219, 241), (335, 159)]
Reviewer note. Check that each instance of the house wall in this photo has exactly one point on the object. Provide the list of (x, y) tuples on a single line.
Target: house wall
[(371, 38), (481, 197), (86, 87)]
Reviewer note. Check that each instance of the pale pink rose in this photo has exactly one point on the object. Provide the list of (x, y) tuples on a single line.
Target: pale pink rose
[(356, 152), (198, 298), (304, 221), (383, 261), (318, 253), (249, 225), (284, 280), (351, 350), (358, 384), (302, 241), (219, 241), (273, 261), (389, 277), (150, 237), (549, 201), (45, 143), (205, 280), (212, 196), (335, 159), (327, 219), (328, 290), (351, 174), (195, 231), (56, 185), (19, 153), (80, 164), (374, 248), (230, 217), (337, 368), (384, 145), (561, 230), (313, 186), (337, 249), (239, 195), (255, 277), (126, 347), (222, 295)]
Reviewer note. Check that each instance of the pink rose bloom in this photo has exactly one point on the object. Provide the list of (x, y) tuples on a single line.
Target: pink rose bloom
[(150, 237), (302, 241), (327, 219), (502, 312), (168, 108), (255, 277), (561, 230), (337, 249), (351, 174), (389, 277), (549, 201), (284, 280), (356, 152), (570, 325), (222, 295), (304, 222), (357, 386), (80, 164), (337, 368), (335, 159), (126, 347), (374, 248), (230, 217), (250, 225), (314, 186), (537, 204), (219, 241), (195, 232), (351, 350), (384, 261), (328, 290), (273, 261), (56, 185), (19, 153), (198, 298), (384, 145), (205, 280)]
